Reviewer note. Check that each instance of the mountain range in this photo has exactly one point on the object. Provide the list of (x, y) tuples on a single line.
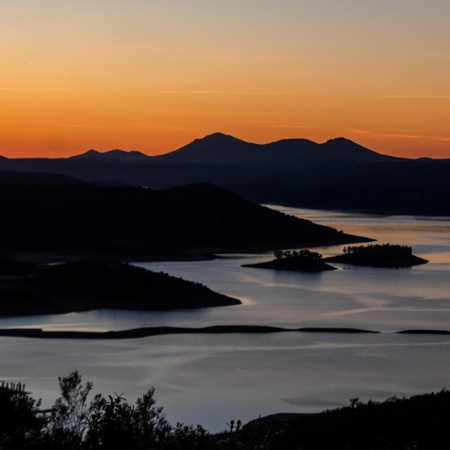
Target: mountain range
[(338, 174)]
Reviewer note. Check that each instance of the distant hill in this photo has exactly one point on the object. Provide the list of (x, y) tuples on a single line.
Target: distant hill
[(117, 155), (216, 148), (41, 216), (338, 174)]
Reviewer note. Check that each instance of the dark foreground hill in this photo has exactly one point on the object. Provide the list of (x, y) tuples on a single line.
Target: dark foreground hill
[(419, 422), (337, 174), (44, 214)]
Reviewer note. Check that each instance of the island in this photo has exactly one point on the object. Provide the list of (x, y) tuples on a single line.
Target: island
[(84, 285), (378, 255), (299, 261)]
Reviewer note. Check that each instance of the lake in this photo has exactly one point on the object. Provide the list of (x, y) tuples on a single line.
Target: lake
[(211, 379)]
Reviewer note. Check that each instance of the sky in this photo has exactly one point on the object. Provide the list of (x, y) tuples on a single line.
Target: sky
[(153, 75)]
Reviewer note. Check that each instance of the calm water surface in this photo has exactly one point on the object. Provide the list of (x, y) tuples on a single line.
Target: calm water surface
[(211, 379)]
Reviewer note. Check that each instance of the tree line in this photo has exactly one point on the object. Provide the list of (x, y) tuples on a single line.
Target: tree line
[(304, 254), (385, 249)]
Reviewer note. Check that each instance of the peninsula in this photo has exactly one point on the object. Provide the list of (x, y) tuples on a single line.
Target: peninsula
[(27, 289)]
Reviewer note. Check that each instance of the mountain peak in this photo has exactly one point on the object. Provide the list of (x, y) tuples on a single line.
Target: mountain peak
[(216, 148), (218, 137), (339, 140), (341, 147)]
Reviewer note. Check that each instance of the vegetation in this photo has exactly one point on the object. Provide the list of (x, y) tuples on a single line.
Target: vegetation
[(378, 255), (303, 254), (79, 420), (378, 249)]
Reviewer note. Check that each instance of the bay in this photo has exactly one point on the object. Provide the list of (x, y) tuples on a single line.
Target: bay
[(211, 379)]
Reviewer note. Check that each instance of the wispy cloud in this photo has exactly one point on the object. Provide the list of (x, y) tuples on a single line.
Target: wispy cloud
[(416, 96), (291, 125), (71, 125), (34, 89), (407, 134), (432, 96), (206, 92), (422, 137)]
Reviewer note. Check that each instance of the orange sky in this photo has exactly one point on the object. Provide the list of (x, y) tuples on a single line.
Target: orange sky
[(153, 76)]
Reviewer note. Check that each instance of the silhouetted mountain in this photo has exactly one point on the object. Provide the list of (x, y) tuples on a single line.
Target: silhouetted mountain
[(346, 149), (216, 148), (140, 222), (219, 148), (118, 155)]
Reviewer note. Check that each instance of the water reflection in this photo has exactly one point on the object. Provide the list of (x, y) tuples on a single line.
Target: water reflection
[(212, 379)]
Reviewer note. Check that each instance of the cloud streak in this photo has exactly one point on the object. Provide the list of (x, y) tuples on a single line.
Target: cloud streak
[(19, 89)]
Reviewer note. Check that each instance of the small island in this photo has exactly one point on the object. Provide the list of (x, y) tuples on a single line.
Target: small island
[(85, 285), (378, 255), (299, 261)]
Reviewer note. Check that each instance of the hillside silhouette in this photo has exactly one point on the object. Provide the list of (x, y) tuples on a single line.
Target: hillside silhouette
[(44, 213), (338, 174)]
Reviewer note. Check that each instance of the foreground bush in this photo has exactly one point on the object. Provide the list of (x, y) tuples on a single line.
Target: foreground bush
[(80, 421)]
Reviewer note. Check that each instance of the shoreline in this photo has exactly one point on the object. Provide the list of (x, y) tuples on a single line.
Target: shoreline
[(46, 256)]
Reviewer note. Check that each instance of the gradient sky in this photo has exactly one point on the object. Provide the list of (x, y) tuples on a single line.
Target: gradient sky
[(152, 75)]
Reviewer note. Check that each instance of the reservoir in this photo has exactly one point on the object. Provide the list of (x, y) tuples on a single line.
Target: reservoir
[(212, 379)]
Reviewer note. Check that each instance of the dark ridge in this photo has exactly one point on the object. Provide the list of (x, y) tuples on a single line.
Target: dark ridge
[(419, 422), (132, 222), (12, 180), (158, 331)]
